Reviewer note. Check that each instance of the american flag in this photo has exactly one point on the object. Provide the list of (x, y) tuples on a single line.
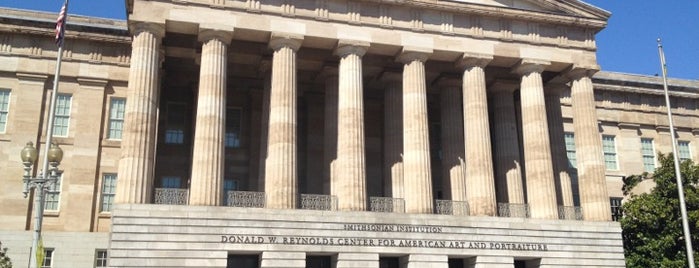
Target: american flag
[(61, 24)]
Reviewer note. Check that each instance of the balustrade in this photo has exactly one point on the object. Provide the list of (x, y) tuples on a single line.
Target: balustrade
[(318, 202), (245, 199), (387, 204), (451, 207), (570, 213), (171, 196), (513, 210)]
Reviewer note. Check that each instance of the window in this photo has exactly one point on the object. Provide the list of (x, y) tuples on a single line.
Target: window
[(116, 118), (4, 108), (570, 149), (243, 261), (53, 196), (648, 153), (609, 148), (318, 262), (48, 258), (233, 127), (615, 204), (229, 185), (108, 191), (100, 258), (171, 182), (683, 150), (174, 133), (389, 262), (62, 119)]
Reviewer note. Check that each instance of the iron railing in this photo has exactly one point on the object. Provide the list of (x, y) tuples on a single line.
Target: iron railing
[(451, 207), (318, 202), (386, 204), (171, 196), (245, 199), (570, 213), (513, 210)]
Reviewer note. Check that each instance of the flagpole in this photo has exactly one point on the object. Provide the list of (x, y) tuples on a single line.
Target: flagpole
[(40, 192), (678, 174)]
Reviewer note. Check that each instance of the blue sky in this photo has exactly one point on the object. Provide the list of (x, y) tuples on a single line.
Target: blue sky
[(628, 44)]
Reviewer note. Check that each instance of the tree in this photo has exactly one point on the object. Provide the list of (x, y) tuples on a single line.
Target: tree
[(652, 223), (4, 259)]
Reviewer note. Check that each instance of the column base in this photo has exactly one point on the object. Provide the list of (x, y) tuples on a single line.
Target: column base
[(283, 260), (425, 261), (490, 262), (357, 260)]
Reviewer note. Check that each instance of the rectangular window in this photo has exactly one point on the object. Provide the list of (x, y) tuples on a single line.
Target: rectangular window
[(318, 262), (116, 118), (229, 185), (4, 108), (174, 133), (648, 153), (62, 120), (243, 261), (100, 258), (108, 191), (570, 149), (53, 196), (609, 149), (683, 150), (233, 127), (615, 204), (48, 258), (171, 182)]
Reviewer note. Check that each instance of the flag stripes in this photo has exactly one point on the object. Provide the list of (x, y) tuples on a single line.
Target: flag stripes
[(61, 24)]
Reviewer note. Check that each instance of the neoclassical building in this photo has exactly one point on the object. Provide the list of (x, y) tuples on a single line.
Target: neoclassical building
[(330, 133)]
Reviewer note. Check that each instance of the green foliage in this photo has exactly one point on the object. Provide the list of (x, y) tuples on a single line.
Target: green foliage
[(652, 223), (4, 259)]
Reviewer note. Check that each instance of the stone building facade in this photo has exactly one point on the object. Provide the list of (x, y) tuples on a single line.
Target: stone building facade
[(328, 133)]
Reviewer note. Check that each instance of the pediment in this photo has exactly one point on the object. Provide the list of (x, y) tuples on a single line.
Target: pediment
[(561, 7)]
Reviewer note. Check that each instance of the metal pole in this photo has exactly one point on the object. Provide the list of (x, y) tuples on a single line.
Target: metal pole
[(678, 174)]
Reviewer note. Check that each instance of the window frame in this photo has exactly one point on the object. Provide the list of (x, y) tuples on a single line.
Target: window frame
[(116, 119), (55, 190), (111, 194), (615, 204), (685, 144), (101, 261), (570, 150), (59, 115), (648, 155), (229, 125), (48, 256), (613, 153), (5, 113)]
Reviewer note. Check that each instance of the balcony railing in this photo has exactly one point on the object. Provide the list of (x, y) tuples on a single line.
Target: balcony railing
[(245, 199), (318, 202), (513, 210), (451, 207), (171, 196), (386, 204), (570, 213)]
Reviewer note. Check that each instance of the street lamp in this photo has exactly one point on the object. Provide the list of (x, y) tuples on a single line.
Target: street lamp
[(41, 184)]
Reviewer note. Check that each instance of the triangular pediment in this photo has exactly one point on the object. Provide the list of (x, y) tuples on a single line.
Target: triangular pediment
[(562, 7)]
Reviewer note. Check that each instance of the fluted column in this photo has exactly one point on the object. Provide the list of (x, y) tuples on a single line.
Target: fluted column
[(208, 153), (281, 176), (330, 126), (480, 181), (508, 172), (393, 135), (265, 67), (594, 198), (541, 191), (452, 136), (137, 161), (564, 187), (417, 178), (351, 173)]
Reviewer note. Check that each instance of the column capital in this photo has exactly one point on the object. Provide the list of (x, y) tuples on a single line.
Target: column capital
[(347, 47), (469, 60), (504, 86), (526, 66), (409, 54), (156, 29), (206, 35), (278, 40), (577, 72)]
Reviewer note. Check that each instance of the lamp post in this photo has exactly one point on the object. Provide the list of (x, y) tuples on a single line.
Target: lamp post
[(43, 183)]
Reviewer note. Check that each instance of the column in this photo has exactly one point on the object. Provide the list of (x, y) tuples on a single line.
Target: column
[(541, 190), (208, 153), (275, 259), (330, 126), (138, 138), (508, 172), (564, 187), (452, 136), (351, 173), (594, 198), (480, 181), (393, 135), (351, 260), (417, 178), (281, 176), (265, 67)]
